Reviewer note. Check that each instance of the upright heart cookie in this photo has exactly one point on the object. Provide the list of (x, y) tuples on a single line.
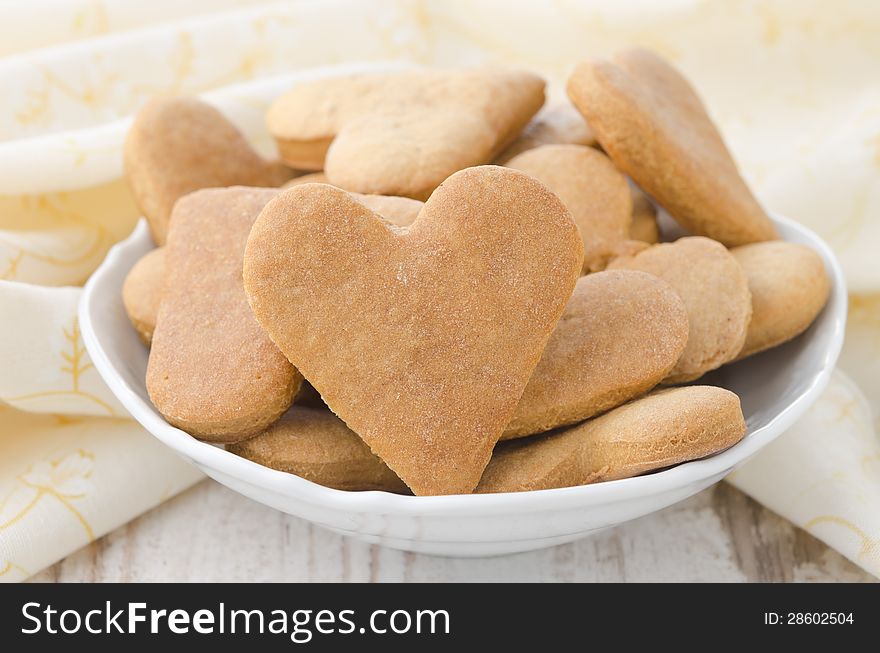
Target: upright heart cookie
[(421, 339), (142, 293), (715, 291), (399, 211), (789, 287), (620, 335), (558, 124), (315, 444), (655, 128), (213, 372), (592, 189), (402, 133), (181, 144), (664, 428)]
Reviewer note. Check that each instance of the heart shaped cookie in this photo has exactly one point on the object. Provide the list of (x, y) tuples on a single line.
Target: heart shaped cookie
[(789, 287), (716, 294), (620, 335), (422, 339), (558, 124), (315, 444), (653, 125), (142, 292), (212, 371), (181, 144), (592, 189), (402, 133), (664, 428), (399, 211)]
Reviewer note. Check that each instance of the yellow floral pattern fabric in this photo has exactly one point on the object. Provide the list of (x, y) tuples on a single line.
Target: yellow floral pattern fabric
[(833, 452), (66, 480), (792, 84), (47, 367)]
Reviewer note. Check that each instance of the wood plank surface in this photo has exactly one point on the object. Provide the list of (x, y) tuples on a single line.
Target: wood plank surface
[(210, 533)]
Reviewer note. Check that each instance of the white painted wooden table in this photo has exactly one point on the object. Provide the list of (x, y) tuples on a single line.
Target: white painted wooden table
[(213, 534)]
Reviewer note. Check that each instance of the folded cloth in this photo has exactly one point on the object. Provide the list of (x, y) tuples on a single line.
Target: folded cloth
[(823, 474), (66, 480)]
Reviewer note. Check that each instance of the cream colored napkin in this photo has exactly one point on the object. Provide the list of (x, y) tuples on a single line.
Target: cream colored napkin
[(793, 86)]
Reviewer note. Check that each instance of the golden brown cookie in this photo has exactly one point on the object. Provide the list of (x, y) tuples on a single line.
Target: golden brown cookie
[(422, 339), (213, 372), (311, 178), (180, 144), (399, 211), (789, 287), (644, 218), (402, 133), (624, 249), (664, 428), (142, 292), (592, 189), (317, 446), (620, 335), (716, 293), (655, 128), (558, 124)]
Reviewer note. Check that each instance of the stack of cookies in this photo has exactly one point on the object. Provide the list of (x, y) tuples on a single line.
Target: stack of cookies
[(444, 287)]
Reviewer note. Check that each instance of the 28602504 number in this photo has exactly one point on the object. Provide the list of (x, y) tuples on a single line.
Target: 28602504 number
[(804, 618), (808, 618), (820, 618)]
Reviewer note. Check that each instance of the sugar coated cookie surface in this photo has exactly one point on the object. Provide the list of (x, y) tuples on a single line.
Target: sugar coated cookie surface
[(651, 122), (402, 133), (316, 445), (715, 291), (592, 189), (399, 211), (664, 428), (558, 124), (213, 371), (181, 144), (422, 339), (789, 286), (142, 292), (620, 335)]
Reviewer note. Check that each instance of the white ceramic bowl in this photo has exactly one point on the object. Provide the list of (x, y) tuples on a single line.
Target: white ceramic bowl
[(775, 387)]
